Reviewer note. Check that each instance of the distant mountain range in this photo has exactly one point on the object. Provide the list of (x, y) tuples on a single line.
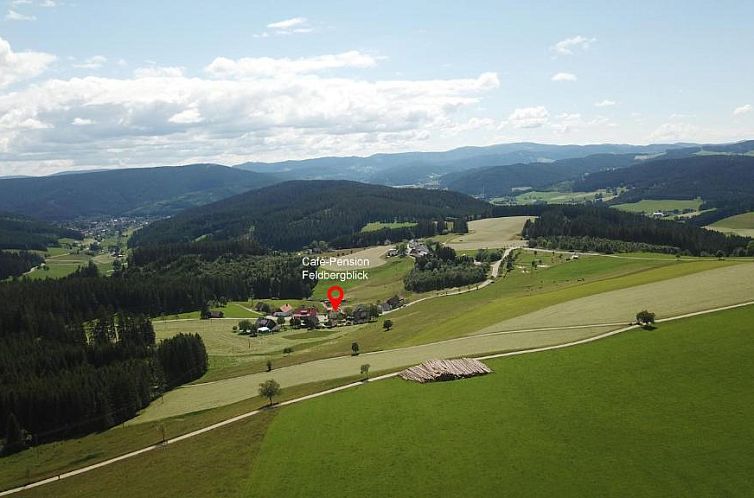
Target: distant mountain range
[(497, 170), (423, 168), (159, 191), (501, 180)]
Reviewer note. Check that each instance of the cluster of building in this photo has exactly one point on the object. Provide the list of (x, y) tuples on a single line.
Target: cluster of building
[(309, 317)]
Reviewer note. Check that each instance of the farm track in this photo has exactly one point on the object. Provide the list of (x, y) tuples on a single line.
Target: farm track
[(243, 416)]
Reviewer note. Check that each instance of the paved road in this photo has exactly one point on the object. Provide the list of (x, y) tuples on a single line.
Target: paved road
[(204, 430)]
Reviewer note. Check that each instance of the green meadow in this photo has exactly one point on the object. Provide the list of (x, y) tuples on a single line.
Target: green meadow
[(649, 206), (647, 413)]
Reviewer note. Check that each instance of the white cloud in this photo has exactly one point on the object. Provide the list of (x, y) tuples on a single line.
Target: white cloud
[(563, 77), (153, 118), (294, 25), (17, 66), (189, 116), (605, 103), (257, 67), (20, 2), (742, 110), (529, 117), (12, 15), (288, 23), (48, 3), (94, 62), (158, 72), (568, 45), (675, 132)]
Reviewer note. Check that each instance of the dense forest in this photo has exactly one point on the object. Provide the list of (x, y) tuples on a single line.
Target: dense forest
[(499, 181), (442, 269), (289, 215), (21, 232), (126, 192), (724, 182), (594, 244), (98, 374), (606, 223), (78, 353), (14, 264)]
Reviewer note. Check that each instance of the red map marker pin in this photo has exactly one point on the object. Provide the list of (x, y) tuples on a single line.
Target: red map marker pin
[(335, 296)]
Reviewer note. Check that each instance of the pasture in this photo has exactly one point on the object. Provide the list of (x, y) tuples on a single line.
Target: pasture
[(649, 206), (628, 412), (384, 282), (379, 225), (740, 224), (375, 255), (457, 321), (490, 233), (533, 197), (645, 413)]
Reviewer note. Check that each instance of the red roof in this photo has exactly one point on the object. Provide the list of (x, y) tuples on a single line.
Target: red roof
[(305, 312)]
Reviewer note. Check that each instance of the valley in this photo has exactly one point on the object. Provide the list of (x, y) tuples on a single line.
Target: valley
[(447, 276)]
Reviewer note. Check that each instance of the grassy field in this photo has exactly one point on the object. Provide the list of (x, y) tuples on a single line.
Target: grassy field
[(62, 263), (649, 206), (490, 233), (384, 282), (647, 413), (561, 197), (378, 225), (54, 458), (375, 255), (741, 224), (418, 328)]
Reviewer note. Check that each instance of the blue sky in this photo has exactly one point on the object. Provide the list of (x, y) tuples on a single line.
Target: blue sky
[(87, 84)]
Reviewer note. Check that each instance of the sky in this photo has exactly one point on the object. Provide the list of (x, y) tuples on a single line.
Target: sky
[(103, 84)]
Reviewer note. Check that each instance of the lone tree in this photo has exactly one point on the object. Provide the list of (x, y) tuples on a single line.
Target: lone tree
[(354, 348), (365, 370), (269, 389), (387, 324), (269, 366), (645, 318), (15, 439)]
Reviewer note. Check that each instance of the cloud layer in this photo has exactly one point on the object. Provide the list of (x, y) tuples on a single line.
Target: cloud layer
[(261, 107)]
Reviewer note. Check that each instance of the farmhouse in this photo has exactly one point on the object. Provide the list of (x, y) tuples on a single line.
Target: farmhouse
[(360, 314), (216, 314), (308, 316), (395, 302), (285, 310), (266, 323)]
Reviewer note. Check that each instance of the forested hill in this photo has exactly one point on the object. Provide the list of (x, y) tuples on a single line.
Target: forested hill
[(21, 232), (128, 192), (725, 182), (500, 180), (292, 214)]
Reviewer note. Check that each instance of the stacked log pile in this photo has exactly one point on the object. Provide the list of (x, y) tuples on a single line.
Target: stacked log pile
[(440, 370)]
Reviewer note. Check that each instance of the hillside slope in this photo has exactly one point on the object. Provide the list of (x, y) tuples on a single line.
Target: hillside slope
[(141, 191), (292, 214), (21, 232), (724, 182), (500, 180)]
